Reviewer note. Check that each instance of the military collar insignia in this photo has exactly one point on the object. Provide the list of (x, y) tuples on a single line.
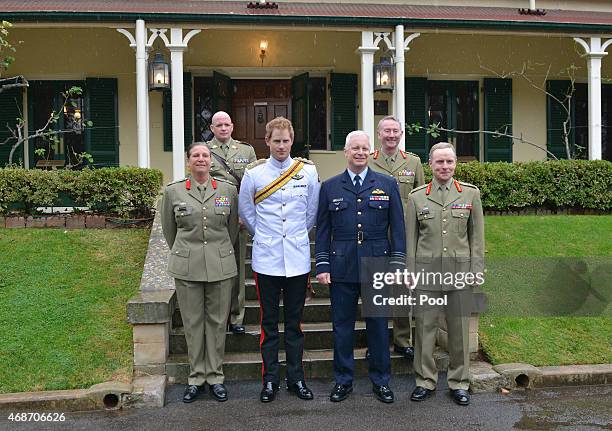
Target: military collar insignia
[(222, 201), (461, 206), (214, 183), (402, 153), (375, 154), (428, 189), (378, 192), (188, 184), (457, 186), (297, 177)]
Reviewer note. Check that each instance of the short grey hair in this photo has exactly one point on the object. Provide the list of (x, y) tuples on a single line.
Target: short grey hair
[(442, 146), (388, 117), (353, 134)]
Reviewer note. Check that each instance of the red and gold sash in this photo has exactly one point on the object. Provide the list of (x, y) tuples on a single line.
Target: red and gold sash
[(279, 182)]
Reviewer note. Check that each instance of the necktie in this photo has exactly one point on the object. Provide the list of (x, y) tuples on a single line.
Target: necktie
[(224, 148), (357, 183), (202, 190), (443, 193)]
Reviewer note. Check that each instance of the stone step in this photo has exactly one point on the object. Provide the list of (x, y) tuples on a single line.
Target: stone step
[(317, 336), (321, 290), (317, 364), (248, 270), (315, 310)]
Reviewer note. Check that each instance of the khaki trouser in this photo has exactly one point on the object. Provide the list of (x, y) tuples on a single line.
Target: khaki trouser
[(205, 308), (237, 307), (427, 323)]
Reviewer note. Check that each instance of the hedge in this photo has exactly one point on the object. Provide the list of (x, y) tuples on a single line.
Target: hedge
[(559, 184), (125, 192)]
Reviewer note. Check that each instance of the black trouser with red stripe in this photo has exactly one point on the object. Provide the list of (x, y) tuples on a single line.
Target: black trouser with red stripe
[(294, 294)]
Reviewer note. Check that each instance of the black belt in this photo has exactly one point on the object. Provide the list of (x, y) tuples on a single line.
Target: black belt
[(359, 235)]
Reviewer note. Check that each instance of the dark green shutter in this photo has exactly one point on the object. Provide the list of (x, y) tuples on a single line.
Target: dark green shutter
[(187, 113), (222, 93), (416, 112), (555, 117), (102, 140), (299, 114), (11, 107), (498, 117), (343, 91)]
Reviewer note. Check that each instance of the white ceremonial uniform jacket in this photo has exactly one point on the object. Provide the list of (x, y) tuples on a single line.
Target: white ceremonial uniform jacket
[(280, 223)]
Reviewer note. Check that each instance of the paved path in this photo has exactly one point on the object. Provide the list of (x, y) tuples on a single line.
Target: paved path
[(583, 408)]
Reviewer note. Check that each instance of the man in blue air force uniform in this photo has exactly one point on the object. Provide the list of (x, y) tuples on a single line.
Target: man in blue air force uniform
[(360, 215), (278, 204)]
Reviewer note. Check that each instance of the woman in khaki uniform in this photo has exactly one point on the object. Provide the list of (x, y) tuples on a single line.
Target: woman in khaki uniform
[(199, 220)]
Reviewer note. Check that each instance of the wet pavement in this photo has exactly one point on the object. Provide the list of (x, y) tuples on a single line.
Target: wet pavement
[(575, 408)]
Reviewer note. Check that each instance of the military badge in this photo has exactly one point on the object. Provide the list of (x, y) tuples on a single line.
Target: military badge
[(406, 173), (297, 177), (222, 201), (378, 192), (337, 200), (461, 206), (424, 210)]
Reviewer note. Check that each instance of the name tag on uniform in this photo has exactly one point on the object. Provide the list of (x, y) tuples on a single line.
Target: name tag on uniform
[(222, 201), (296, 186), (406, 173), (461, 206), (379, 198), (424, 211), (241, 161)]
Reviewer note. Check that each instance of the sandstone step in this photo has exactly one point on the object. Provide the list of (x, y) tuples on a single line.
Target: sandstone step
[(316, 336), (317, 364), (315, 310), (321, 290)]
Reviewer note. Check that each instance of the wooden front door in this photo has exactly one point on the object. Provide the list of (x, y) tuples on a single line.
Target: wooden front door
[(255, 102)]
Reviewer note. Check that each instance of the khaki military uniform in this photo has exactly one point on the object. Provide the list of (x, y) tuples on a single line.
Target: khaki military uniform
[(444, 232), (407, 170), (200, 224), (237, 157)]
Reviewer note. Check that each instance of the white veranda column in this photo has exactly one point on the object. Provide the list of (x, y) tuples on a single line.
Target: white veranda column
[(367, 50), (142, 91), (594, 52), (401, 46)]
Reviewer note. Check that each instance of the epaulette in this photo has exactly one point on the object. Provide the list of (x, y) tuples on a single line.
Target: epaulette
[(243, 143), (223, 180), (255, 163), (468, 185), (302, 159), (418, 188), (412, 154), (176, 182)]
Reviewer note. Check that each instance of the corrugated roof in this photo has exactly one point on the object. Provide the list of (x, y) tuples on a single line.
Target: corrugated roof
[(303, 10)]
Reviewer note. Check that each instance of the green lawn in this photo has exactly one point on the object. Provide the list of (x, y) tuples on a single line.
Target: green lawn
[(62, 306), (545, 266)]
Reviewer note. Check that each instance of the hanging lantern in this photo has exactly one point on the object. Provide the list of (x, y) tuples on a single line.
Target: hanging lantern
[(384, 73), (159, 73)]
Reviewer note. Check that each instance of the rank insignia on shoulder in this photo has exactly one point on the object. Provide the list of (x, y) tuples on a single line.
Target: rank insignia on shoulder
[(234, 147), (379, 198), (461, 206), (222, 201), (214, 146), (424, 210), (378, 192), (337, 200), (406, 173), (297, 177)]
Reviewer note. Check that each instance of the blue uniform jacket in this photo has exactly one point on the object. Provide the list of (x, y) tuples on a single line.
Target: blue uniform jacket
[(351, 226)]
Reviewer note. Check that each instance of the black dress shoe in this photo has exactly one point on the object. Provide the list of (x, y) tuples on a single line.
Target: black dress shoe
[(268, 392), (340, 392), (301, 390), (420, 394), (236, 329), (218, 392), (191, 393), (461, 396), (383, 393), (407, 351)]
